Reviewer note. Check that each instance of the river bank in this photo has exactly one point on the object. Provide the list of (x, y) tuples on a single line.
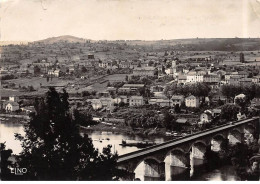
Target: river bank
[(128, 131)]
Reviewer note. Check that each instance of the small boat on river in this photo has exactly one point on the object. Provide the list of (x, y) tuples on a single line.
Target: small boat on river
[(140, 144)]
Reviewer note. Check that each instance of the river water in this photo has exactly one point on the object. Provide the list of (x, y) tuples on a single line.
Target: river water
[(102, 139)]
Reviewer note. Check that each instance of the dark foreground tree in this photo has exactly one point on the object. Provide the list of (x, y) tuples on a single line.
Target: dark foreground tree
[(53, 148), (5, 162), (229, 112)]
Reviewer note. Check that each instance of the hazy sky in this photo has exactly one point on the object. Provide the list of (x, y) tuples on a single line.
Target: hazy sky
[(129, 19)]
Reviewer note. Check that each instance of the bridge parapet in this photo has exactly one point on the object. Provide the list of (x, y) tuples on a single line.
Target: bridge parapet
[(176, 153)]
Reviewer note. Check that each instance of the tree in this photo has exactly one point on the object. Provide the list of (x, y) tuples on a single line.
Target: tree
[(230, 91), (83, 69), (37, 70), (243, 103), (5, 163), (229, 112), (177, 108), (53, 148), (126, 78), (30, 88), (168, 120), (84, 119), (121, 104), (242, 57)]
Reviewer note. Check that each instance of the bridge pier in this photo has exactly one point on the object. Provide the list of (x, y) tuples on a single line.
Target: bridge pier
[(198, 150), (174, 159), (150, 170), (235, 136), (177, 165), (216, 143), (197, 157), (250, 134)]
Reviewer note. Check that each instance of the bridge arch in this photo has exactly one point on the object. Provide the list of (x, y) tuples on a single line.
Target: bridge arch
[(250, 133), (235, 136), (250, 129), (198, 149), (216, 142), (178, 157), (150, 168), (181, 147)]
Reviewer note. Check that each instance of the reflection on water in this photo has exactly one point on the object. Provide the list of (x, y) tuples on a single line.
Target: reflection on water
[(225, 173), (102, 139), (7, 131)]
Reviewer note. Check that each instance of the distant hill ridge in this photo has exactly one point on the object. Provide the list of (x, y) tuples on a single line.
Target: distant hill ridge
[(189, 44), (65, 38)]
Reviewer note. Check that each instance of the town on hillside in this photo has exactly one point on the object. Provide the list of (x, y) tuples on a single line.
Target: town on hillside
[(168, 88), (94, 109)]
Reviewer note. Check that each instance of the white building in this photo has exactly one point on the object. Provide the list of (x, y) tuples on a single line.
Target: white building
[(144, 71), (55, 73), (194, 77), (13, 98), (192, 101), (136, 101), (161, 102), (12, 106), (205, 117), (96, 104), (106, 64)]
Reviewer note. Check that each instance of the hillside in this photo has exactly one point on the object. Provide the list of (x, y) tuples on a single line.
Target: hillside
[(65, 38), (190, 44), (203, 44)]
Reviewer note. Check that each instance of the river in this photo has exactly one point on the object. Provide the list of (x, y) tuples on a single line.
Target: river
[(102, 139)]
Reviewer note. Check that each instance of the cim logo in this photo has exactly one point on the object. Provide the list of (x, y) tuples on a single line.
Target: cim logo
[(18, 171)]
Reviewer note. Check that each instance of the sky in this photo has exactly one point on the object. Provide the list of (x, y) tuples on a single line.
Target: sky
[(30, 20)]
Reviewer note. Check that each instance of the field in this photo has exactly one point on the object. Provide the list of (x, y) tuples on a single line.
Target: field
[(36, 82), (10, 92), (117, 77)]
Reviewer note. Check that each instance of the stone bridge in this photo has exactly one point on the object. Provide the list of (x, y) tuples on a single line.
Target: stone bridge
[(156, 162)]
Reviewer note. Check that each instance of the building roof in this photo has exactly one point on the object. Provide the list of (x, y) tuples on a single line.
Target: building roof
[(178, 97), (191, 97), (132, 85), (235, 77), (145, 68), (207, 113), (122, 96), (257, 77), (122, 88), (246, 80), (12, 103), (181, 120), (192, 72), (136, 97), (182, 77), (240, 96), (242, 73), (216, 111)]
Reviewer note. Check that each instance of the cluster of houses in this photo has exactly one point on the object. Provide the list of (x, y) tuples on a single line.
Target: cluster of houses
[(11, 104), (215, 79), (109, 103)]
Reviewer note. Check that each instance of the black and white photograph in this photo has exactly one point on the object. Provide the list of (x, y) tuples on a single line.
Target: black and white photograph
[(129, 90)]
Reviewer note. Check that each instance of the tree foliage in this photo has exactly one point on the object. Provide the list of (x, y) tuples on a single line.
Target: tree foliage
[(230, 91), (53, 148), (197, 89), (229, 112), (5, 162)]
